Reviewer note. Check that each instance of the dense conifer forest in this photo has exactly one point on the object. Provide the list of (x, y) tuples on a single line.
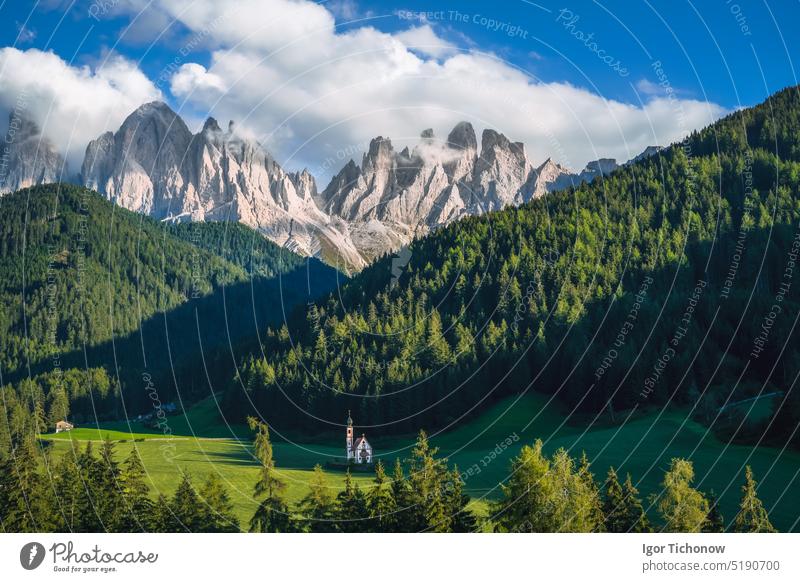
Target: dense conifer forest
[(647, 287), (95, 297)]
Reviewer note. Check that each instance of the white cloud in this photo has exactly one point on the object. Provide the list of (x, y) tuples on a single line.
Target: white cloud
[(72, 105), (346, 10), (311, 92), (194, 79), (647, 87), (25, 35), (423, 40), (316, 95)]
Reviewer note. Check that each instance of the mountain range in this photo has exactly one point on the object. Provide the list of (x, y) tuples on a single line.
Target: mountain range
[(155, 165)]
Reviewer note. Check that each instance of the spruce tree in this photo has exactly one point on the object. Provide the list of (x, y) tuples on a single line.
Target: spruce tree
[(90, 476), (715, 522), (351, 514), (272, 516), (185, 506), (593, 493), (752, 516), (66, 481), (463, 520), (437, 349), (216, 508), (380, 502), (22, 492), (39, 417), (614, 504), (136, 504), (426, 477), (635, 517), (403, 519), (108, 490), (318, 507), (163, 519)]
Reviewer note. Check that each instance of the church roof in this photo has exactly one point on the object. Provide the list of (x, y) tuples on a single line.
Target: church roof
[(359, 440)]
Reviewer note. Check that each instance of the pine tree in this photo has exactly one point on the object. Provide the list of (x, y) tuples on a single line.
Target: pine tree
[(136, 504), (426, 477), (635, 517), (380, 502), (683, 508), (614, 504), (593, 493), (90, 475), (544, 495), (185, 506), (272, 514), (352, 514), (462, 519), (437, 349), (715, 522), (22, 492), (66, 481), (752, 517), (108, 491), (58, 406), (46, 501), (216, 508), (163, 519), (403, 519), (39, 417), (318, 507)]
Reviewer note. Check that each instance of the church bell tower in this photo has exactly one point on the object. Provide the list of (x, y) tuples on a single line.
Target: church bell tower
[(349, 449)]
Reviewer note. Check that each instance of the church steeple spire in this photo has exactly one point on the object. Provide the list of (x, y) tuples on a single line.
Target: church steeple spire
[(349, 438)]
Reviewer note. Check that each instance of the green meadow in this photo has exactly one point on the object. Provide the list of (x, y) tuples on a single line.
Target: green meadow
[(482, 447)]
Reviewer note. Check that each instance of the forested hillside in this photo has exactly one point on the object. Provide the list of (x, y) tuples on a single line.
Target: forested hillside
[(240, 245), (76, 269), (95, 298), (648, 287)]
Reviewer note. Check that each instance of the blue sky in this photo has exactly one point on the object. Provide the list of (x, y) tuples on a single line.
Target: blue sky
[(715, 56)]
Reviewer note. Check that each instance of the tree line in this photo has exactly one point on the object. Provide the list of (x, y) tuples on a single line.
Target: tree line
[(84, 491)]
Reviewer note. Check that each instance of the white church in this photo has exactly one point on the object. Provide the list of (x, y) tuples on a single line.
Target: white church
[(360, 451)]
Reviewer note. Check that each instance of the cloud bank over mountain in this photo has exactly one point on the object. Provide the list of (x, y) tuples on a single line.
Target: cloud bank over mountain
[(71, 104), (312, 90)]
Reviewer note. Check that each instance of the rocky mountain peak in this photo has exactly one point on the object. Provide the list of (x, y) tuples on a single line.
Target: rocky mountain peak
[(649, 151), (305, 184), (211, 125), (463, 137), (28, 157), (380, 151), (493, 142), (602, 166), (155, 165), (21, 128)]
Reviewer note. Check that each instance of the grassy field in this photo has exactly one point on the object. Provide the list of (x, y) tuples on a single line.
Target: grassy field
[(482, 448)]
